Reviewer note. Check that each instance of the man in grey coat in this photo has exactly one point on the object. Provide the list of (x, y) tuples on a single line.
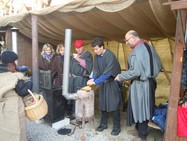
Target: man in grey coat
[(144, 66)]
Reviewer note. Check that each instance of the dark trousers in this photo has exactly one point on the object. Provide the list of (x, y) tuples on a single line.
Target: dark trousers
[(142, 129), (116, 118)]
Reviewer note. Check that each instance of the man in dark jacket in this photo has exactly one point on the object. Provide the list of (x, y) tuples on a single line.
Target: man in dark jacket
[(80, 69), (105, 69)]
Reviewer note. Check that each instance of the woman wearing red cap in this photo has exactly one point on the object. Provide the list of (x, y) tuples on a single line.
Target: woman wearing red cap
[(80, 69)]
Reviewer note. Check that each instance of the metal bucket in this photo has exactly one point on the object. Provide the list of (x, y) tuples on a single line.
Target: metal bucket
[(84, 107)]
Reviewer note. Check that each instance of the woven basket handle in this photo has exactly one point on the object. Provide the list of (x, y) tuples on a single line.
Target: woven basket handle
[(32, 95)]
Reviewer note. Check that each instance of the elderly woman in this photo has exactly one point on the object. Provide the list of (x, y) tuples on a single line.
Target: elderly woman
[(12, 87)]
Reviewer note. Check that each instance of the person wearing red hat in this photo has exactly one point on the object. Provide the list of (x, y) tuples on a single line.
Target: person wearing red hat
[(80, 69)]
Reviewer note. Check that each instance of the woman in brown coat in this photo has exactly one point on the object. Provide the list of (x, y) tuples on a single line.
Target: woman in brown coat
[(47, 57), (46, 65), (58, 66)]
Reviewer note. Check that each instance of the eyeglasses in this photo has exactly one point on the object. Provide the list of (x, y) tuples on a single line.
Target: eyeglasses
[(127, 39)]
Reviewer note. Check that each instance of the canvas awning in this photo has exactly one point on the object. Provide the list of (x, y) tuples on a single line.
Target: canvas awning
[(109, 19)]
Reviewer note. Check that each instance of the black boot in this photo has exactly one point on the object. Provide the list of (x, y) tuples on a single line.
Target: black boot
[(115, 131), (104, 121), (101, 127), (116, 123)]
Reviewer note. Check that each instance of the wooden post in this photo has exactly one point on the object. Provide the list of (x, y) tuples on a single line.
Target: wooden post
[(171, 121), (35, 70)]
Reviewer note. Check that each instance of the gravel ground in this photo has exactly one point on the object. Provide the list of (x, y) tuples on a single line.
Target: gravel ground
[(44, 132)]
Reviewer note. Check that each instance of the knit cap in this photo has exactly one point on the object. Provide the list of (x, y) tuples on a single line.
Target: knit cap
[(8, 56)]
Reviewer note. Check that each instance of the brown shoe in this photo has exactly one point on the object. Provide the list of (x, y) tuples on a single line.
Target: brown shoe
[(132, 132)]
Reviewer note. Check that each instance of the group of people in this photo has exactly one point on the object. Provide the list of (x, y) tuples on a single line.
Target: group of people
[(54, 61), (80, 68), (144, 66)]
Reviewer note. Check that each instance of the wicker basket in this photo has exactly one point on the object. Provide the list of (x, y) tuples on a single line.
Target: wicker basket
[(38, 110)]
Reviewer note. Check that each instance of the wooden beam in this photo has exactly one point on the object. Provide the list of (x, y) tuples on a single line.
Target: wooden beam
[(182, 4), (171, 120), (35, 63)]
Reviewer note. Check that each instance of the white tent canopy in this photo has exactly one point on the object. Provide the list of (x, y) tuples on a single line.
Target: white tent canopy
[(109, 19)]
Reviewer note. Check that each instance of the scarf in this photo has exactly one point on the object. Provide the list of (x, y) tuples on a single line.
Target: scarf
[(61, 57), (48, 56)]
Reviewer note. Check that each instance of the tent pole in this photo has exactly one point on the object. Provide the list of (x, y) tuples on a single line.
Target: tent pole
[(171, 51), (167, 76), (163, 68), (125, 60), (118, 51)]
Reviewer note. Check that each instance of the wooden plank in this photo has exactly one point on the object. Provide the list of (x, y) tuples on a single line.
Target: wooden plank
[(171, 129), (182, 5), (8, 39), (177, 5)]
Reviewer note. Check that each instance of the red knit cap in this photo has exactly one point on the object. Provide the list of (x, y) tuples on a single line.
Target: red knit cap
[(78, 43)]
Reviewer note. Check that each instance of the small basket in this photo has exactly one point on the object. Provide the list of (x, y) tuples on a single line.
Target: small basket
[(38, 110)]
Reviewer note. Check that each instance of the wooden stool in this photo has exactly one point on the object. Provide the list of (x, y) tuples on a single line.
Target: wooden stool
[(155, 127)]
